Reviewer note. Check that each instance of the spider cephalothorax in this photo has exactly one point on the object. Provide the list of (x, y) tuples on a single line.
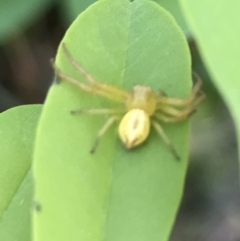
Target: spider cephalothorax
[(143, 107)]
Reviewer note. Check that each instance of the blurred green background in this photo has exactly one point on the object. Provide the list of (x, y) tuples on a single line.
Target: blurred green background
[(30, 32)]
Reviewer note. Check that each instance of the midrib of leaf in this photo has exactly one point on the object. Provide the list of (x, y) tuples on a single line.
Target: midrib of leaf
[(123, 72)]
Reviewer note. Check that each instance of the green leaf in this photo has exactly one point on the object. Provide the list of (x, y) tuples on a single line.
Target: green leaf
[(16, 16), (17, 131), (174, 8), (73, 7), (15, 224), (115, 194), (217, 35)]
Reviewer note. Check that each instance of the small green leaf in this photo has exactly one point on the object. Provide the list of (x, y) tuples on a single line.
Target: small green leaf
[(217, 33), (15, 224), (115, 194), (17, 132)]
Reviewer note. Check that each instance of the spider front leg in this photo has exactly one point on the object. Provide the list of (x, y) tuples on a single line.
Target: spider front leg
[(180, 108), (196, 96), (176, 113), (115, 97), (169, 119), (111, 90)]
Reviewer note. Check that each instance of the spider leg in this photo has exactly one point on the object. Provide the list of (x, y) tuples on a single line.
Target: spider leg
[(162, 134), (170, 119), (102, 131), (85, 87), (182, 113), (97, 111), (182, 102), (101, 86), (199, 99)]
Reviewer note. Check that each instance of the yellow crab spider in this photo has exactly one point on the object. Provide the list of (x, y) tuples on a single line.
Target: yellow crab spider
[(143, 107)]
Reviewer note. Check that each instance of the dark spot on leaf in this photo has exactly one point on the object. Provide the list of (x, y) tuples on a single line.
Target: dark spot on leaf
[(37, 206)]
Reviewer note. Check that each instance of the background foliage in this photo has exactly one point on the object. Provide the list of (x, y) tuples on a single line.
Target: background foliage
[(30, 34)]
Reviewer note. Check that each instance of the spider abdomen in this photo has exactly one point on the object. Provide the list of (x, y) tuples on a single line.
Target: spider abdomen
[(134, 128)]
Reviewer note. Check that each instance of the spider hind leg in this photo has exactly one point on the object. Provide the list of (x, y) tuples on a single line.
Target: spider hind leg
[(165, 138)]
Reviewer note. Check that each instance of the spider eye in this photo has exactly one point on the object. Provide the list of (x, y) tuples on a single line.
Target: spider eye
[(134, 128)]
